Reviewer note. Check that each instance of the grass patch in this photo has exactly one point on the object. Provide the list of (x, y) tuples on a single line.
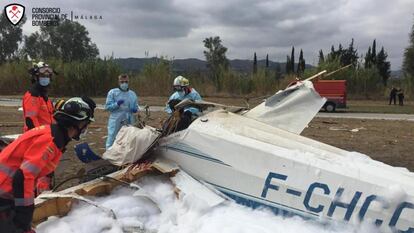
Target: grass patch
[(364, 106)]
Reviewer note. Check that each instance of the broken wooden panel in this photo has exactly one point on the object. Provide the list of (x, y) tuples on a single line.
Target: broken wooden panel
[(60, 206)]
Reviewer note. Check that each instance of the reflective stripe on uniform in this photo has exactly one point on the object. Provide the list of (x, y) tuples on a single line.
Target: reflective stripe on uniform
[(27, 165), (51, 166), (50, 149), (7, 170), (23, 201), (31, 113), (48, 154)]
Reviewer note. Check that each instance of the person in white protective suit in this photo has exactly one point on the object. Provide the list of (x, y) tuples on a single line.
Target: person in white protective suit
[(122, 103), (182, 90)]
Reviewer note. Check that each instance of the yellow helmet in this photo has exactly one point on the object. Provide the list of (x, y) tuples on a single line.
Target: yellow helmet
[(184, 82)]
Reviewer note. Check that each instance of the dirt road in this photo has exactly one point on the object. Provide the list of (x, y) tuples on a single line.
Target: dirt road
[(389, 141), (15, 102), (367, 116)]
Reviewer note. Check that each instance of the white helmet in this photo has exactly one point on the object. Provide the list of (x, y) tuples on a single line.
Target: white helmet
[(76, 108), (177, 80), (41, 68)]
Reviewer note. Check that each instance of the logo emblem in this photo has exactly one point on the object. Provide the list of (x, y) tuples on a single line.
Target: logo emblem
[(14, 13)]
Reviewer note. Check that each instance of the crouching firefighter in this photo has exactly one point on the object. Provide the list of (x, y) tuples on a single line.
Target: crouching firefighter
[(182, 90), (34, 154)]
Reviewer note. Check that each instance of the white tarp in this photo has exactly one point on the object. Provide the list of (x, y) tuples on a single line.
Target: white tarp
[(130, 144), (291, 109)]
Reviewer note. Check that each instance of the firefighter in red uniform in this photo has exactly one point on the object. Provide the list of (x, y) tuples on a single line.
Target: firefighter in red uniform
[(34, 154), (38, 110)]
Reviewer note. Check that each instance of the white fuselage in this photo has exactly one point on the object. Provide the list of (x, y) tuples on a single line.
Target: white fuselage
[(260, 165)]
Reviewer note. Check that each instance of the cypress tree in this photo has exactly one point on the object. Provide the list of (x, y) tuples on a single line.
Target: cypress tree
[(368, 56), (321, 57), (340, 49), (292, 60), (254, 63), (374, 53), (353, 54), (350, 55), (288, 65), (267, 60), (332, 54), (383, 66), (301, 63)]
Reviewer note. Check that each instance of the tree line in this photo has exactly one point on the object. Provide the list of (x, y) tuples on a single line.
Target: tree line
[(70, 50), (367, 77), (408, 62), (68, 42)]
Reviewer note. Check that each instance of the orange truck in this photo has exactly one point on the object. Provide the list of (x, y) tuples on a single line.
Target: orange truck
[(334, 91)]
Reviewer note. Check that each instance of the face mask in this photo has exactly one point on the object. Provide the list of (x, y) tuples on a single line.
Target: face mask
[(181, 93), (123, 86), (44, 81)]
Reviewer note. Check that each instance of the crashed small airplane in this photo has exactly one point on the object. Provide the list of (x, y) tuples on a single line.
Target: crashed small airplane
[(258, 158)]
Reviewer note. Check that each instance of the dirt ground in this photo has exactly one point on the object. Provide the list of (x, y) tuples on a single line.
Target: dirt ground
[(388, 141)]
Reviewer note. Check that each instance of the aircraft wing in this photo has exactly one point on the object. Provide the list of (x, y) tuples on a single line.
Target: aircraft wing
[(291, 109)]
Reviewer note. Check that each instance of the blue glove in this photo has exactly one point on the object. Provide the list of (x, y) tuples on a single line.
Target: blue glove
[(134, 110), (119, 102)]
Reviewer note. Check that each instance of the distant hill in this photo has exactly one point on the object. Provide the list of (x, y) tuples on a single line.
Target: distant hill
[(396, 74), (194, 64)]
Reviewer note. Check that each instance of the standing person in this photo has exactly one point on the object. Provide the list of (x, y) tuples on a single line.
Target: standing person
[(182, 90), (122, 103), (393, 95), (34, 154), (400, 97), (38, 109)]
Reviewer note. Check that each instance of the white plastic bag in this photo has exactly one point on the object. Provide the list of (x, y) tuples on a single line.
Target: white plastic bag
[(130, 144)]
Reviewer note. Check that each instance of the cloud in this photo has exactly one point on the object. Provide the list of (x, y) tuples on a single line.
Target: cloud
[(148, 19), (177, 27)]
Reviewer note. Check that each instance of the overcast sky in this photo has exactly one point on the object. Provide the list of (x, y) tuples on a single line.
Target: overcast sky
[(176, 28)]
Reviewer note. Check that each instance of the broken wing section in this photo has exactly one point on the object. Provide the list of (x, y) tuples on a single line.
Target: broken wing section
[(291, 109), (188, 187)]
